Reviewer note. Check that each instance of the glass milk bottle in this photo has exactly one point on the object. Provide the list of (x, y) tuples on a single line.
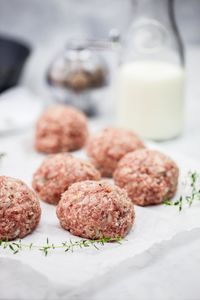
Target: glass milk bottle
[(149, 86)]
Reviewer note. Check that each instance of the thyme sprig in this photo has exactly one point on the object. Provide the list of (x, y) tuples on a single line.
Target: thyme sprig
[(191, 191), (17, 246)]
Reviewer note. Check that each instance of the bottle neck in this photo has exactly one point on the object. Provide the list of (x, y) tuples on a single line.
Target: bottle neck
[(153, 9), (154, 32)]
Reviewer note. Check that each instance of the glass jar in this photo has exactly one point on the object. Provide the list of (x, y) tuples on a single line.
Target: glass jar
[(150, 79), (78, 73)]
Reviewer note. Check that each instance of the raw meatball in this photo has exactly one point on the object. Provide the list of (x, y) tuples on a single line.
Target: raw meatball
[(61, 128), (19, 209), (148, 176), (58, 172), (109, 146), (96, 209)]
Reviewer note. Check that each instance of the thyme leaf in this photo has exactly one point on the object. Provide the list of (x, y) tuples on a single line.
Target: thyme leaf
[(17, 246), (191, 192)]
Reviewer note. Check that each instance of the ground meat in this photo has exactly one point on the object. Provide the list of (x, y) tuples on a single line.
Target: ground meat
[(148, 176), (61, 128), (96, 209), (109, 146), (19, 209), (57, 172)]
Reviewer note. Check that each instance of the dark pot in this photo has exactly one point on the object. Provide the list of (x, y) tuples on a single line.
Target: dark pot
[(13, 54)]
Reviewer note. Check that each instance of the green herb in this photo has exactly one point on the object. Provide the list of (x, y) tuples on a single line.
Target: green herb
[(191, 191), (17, 246)]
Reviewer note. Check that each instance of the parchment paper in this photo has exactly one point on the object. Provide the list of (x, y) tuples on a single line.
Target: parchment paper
[(68, 271)]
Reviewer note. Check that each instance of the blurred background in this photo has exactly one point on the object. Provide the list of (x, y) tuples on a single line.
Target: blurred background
[(47, 25)]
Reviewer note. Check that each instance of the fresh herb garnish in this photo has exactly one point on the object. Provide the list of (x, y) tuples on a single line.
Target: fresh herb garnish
[(17, 246), (191, 191)]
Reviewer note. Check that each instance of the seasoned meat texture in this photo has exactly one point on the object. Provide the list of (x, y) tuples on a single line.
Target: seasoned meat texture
[(109, 146), (57, 172), (19, 209), (61, 128), (96, 209), (148, 176)]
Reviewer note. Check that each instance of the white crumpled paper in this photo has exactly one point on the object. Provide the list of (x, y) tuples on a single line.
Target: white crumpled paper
[(68, 271)]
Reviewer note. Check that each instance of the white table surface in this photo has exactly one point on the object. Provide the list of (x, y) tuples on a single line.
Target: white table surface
[(170, 270)]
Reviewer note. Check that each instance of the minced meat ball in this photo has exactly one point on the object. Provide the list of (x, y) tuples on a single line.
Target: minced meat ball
[(57, 172), (109, 146), (19, 209), (148, 176), (61, 128), (96, 209)]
